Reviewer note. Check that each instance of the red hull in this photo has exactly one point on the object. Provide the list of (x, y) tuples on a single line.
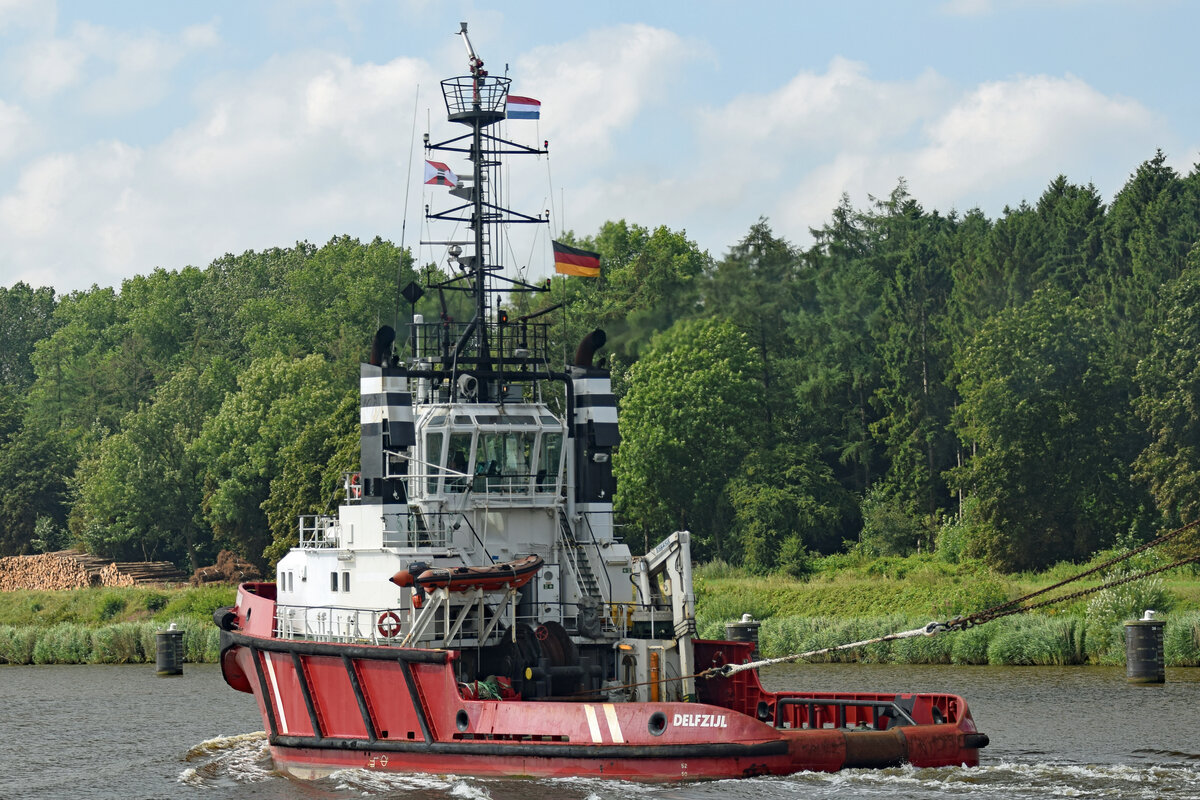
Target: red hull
[(332, 706)]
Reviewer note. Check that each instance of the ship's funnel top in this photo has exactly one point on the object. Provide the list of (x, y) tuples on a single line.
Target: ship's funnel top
[(588, 347), (381, 346)]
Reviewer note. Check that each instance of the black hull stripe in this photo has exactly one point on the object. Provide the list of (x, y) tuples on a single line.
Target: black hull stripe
[(595, 400), (359, 697), (533, 750), (415, 699), (397, 399), (306, 693), (263, 691)]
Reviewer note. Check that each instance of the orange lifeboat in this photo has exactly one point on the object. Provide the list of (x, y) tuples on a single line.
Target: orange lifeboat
[(504, 575)]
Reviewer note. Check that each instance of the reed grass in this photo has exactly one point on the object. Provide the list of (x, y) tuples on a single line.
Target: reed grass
[(16, 644), (1104, 642), (121, 643), (109, 605), (971, 646), (1181, 640), (202, 643), (1039, 642), (65, 643), (1034, 640)]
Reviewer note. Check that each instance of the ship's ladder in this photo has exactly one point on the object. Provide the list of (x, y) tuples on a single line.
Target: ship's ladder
[(577, 559)]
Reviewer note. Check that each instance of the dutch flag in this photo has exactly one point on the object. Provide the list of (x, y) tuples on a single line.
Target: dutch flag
[(524, 107)]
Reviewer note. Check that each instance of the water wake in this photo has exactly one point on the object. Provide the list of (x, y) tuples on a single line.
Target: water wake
[(1004, 780), (245, 758)]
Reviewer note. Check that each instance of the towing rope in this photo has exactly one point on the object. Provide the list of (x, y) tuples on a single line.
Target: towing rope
[(1019, 605), (726, 670)]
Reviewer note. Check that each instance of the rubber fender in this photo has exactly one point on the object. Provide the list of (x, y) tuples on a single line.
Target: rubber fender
[(875, 748), (225, 618), (975, 740)]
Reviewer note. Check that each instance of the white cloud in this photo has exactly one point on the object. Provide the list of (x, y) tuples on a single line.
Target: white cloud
[(200, 36), (982, 8), (816, 123), (1028, 126), (48, 66), (34, 208), (118, 72), (998, 144), (307, 148), (30, 14), (967, 8), (597, 85), (789, 154), (16, 130), (842, 106), (313, 145)]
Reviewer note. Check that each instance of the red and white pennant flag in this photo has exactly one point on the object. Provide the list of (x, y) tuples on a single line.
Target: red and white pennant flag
[(438, 174)]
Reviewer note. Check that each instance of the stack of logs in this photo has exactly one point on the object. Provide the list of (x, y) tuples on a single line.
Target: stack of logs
[(71, 569), (228, 569)]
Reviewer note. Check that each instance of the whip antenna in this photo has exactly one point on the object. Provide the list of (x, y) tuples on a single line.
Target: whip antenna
[(412, 141)]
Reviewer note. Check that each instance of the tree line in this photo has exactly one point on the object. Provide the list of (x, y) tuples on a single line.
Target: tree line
[(1023, 390)]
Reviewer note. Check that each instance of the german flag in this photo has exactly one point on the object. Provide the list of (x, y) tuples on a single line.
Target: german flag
[(573, 261)]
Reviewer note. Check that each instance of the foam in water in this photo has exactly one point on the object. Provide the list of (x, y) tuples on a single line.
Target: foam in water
[(373, 782), (244, 758), (1011, 780)]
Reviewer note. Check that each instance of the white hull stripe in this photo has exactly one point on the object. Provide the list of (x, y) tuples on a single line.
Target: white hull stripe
[(593, 385), (614, 725), (283, 726), (369, 414), (379, 384), (593, 723), (596, 414)]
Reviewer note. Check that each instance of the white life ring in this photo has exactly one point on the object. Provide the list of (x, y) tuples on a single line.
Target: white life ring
[(388, 625)]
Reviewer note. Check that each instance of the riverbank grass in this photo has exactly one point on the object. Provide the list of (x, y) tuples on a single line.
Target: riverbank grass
[(122, 643), (108, 625)]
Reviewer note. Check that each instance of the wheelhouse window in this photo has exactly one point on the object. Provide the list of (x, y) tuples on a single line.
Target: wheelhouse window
[(433, 458), (458, 461), (503, 461), (549, 461)]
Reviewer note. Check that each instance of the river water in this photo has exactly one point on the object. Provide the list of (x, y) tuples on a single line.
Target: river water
[(104, 732)]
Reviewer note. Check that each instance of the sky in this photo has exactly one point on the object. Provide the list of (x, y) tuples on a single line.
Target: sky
[(137, 135)]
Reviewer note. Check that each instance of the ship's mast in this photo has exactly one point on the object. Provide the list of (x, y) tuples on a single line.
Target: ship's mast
[(479, 100), (478, 120)]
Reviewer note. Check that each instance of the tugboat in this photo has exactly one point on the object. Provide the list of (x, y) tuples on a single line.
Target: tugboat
[(471, 610)]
